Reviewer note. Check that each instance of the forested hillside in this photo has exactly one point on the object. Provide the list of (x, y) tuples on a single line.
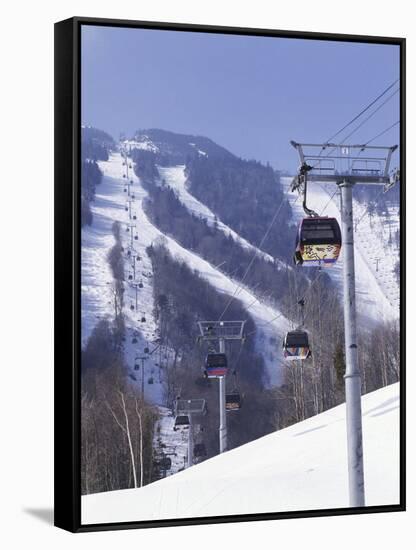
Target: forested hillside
[(95, 146)]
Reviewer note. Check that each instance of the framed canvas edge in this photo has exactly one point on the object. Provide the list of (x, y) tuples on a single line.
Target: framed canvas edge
[(67, 249)]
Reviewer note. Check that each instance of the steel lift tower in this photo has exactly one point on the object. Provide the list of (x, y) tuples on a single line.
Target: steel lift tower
[(346, 166), (190, 407), (221, 331)]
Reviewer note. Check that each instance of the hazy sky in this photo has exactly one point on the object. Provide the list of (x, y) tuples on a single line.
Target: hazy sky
[(250, 94)]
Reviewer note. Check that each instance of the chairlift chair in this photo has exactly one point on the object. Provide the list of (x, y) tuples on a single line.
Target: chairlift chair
[(136, 366), (318, 242), (150, 380), (143, 319), (136, 237), (140, 285), (215, 365), (132, 307), (296, 345), (134, 340)]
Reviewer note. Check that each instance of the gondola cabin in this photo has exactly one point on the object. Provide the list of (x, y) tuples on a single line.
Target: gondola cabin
[(318, 242), (296, 346), (215, 365), (233, 401), (181, 421)]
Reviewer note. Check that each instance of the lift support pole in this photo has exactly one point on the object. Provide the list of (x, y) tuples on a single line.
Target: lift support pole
[(190, 407), (331, 168), (190, 443), (221, 331), (352, 372), (223, 417)]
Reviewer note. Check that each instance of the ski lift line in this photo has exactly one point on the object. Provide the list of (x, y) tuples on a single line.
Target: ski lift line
[(239, 285), (383, 132), (265, 324), (235, 362), (367, 210), (371, 115), (262, 325), (377, 136), (363, 111), (327, 204), (357, 127)]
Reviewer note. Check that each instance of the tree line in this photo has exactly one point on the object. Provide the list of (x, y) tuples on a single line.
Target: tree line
[(95, 146)]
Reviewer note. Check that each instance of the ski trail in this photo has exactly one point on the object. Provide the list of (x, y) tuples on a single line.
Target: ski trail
[(268, 337), (175, 178)]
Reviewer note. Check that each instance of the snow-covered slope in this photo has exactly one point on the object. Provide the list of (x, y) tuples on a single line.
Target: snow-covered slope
[(374, 300), (303, 467), (175, 178), (96, 242), (375, 240), (271, 324)]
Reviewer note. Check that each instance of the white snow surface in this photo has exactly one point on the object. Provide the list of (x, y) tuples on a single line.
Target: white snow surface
[(377, 297), (303, 467)]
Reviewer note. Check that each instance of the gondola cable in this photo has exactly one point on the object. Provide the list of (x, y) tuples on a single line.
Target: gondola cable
[(240, 284), (363, 111), (361, 124)]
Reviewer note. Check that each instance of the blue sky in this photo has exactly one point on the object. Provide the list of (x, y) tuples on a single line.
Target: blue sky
[(251, 95)]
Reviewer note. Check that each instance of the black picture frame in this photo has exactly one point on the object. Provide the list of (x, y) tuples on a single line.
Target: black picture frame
[(67, 271)]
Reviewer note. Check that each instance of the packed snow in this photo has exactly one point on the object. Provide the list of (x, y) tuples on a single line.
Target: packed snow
[(303, 467)]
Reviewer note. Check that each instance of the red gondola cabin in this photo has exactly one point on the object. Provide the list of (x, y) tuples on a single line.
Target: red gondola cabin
[(318, 242)]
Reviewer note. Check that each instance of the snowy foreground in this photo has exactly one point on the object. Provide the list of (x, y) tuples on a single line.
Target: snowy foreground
[(303, 467)]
